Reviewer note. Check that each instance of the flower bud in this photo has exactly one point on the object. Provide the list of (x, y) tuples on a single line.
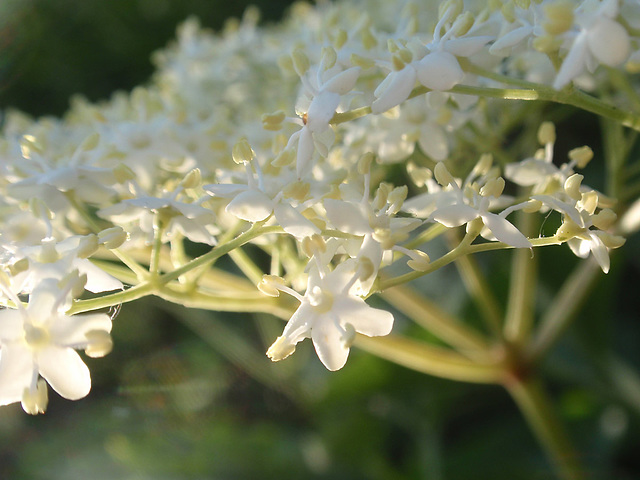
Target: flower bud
[(589, 201), (493, 188), (443, 177), (547, 133), (273, 121), (297, 190), (581, 156), (463, 24), (35, 402), (572, 186), (193, 179), (280, 349), (269, 285), (99, 343), (112, 237), (242, 151), (362, 62), (604, 219), (419, 261), (300, 61), (329, 57), (364, 164), (340, 39), (419, 175), (123, 173), (559, 17), (90, 142)]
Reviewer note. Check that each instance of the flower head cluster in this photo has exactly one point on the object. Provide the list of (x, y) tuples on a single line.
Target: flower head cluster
[(297, 128)]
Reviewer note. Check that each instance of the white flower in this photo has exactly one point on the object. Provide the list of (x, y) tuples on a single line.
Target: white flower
[(436, 66), (582, 228), (601, 40), (331, 316), (460, 205), (41, 339), (191, 220), (55, 260), (252, 202), (323, 94)]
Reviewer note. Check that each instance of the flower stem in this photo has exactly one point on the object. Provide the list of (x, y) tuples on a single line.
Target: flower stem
[(429, 359), (432, 318), (462, 249), (564, 307), (536, 407), (520, 306), (477, 285)]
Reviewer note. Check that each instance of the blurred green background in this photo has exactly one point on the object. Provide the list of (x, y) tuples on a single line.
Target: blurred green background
[(191, 395)]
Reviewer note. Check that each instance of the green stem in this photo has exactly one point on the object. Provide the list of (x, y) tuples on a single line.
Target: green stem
[(133, 293), (429, 359), (528, 91), (255, 231), (522, 291), (453, 255), (477, 285), (538, 411), (432, 318), (246, 265), (564, 307), (155, 285), (224, 303), (154, 264)]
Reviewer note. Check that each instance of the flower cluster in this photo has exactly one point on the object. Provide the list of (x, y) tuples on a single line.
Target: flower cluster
[(288, 134)]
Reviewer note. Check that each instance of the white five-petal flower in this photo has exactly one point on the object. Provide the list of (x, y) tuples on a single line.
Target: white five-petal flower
[(330, 314)]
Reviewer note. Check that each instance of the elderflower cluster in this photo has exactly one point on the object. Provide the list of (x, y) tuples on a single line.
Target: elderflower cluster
[(295, 127)]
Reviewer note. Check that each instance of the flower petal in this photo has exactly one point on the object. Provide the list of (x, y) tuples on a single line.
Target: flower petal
[(454, 215), (609, 42), (16, 372), (367, 320), (65, 371), (395, 89), (439, 71), (329, 344), (344, 82), (293, 221), (505, 231), (348, 217), (252, 206), (574, 63)]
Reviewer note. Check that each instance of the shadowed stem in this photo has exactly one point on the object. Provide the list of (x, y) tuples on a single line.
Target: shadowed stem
[(537, 409)]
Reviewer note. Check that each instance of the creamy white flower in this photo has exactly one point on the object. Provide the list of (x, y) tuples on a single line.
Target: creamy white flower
[(330, 315), (462, 203), (191, 220), (599, 40), (41, 339), (255, 202), (52, 259), (322, 94)]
